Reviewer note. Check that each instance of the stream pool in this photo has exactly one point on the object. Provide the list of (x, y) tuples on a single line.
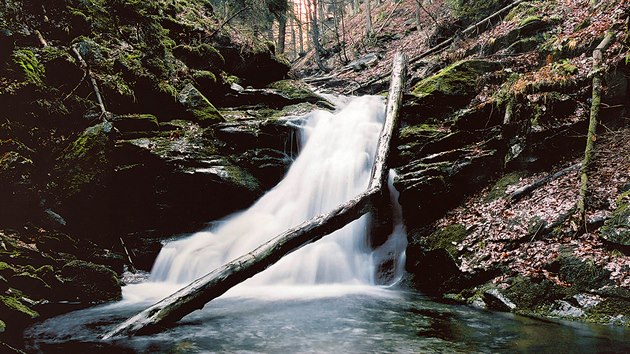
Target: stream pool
[(325, 319)]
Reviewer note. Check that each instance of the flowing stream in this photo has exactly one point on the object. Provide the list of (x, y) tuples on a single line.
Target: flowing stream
[(325, 297)]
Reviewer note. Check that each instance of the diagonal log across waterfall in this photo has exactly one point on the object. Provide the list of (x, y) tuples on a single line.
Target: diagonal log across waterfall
[(214, 284)]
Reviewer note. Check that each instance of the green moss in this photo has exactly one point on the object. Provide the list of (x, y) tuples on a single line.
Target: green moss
[(6, 268), (528, 20), (86, 160), (3, 326), (204, 75), (32, 70), (241, 177), (498, 190), (229, 79), (167, 89), (448, 237), (523, 10), (471, 11), (14, 304), (610, 311), (201, 110), (564, 67), (419, 131), (617, 228), (458, 79), (203, 55)]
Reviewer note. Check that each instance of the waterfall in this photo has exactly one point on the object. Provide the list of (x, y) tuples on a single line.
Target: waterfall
[(334, 165)]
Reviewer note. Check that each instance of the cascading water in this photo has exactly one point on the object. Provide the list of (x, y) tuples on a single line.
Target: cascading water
[(282, 309), (333, 166)]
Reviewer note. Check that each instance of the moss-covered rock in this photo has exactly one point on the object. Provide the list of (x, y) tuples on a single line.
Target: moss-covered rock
[(298, 91), (617, 229), (498, 189), (135, 122), (472, 11), (198, 106), (31, 69), (82, 182), (451, 87), (12, 306), (447, 237), (458, 79), (90, 283)]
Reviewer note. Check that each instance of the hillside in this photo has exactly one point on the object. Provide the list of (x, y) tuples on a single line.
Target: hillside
[(125, 122)]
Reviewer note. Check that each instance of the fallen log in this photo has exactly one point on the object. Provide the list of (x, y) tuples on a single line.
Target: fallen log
[(525, 190), (214, 284)]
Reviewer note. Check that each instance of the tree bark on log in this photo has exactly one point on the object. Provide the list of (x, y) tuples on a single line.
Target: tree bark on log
[(592, 125), (214, 284), (97, 92), (525, 190)]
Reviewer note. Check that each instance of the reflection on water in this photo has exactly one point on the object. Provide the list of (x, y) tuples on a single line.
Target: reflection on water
[(363, 320)]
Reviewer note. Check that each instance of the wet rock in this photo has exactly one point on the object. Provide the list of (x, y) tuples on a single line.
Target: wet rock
[(563, 309), (135, 122), (435, 268), (276, 95), (89, 283), (82, 175), (495, 300)]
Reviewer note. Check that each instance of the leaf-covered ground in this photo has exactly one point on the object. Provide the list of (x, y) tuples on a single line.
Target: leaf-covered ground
[(516, 235)]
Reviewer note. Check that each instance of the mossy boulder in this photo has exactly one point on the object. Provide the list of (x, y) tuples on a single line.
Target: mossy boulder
[(447, 237), (497, 191), (82, 181), (470, 11), (458, 79), (32, 71), (11, 306), (298, 92), (136, 122), (616, 230), (90, 283), (198, 107)]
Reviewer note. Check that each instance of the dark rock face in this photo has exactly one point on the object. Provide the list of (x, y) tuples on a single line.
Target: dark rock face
[(616, 230), (90, 283)]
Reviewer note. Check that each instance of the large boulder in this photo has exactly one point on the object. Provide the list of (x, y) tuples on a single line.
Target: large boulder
[(451, 88), (616, 230), (198, 107), (82, 182)]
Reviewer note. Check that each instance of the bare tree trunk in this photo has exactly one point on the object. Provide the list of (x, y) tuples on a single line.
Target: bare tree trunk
[(282, 32), (293, 39), (592, 126), (315, 37), (368, 18), (214, 284)]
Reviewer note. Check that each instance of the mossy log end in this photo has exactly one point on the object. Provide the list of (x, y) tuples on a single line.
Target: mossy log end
[(214, 284), (594, 116)]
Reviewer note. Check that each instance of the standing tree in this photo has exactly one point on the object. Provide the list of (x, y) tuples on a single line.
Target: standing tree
[(312, 11), (368, 19)]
